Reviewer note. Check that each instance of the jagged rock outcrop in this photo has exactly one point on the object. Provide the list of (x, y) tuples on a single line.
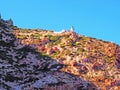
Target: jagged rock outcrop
[(23, 68)]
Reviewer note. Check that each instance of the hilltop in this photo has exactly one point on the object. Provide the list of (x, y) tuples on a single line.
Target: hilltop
[(40, 58)]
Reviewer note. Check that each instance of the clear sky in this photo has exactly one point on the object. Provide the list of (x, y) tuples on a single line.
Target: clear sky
[(96, 18)]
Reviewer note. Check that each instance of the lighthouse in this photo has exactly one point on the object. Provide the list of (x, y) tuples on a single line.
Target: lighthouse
[(72, 29)]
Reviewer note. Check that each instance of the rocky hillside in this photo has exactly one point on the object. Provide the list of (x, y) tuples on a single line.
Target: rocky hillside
[(93, 60), (42, 59), (23, 67)]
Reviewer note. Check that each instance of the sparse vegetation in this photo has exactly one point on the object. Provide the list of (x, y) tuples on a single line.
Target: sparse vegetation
[(48, 58), (84, 48)]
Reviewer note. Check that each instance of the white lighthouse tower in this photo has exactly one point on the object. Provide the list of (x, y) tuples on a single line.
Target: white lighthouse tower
[(72, 29)]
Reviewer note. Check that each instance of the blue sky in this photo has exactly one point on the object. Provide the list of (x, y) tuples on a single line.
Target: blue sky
[(96, 18)]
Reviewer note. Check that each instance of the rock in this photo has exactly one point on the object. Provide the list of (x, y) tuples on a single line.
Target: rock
[(83, 69), (10, 22), (80, 67), (117, 62), (97, 66)]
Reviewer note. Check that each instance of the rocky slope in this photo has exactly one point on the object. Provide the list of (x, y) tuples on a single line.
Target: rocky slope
[(23, 67), (93, 60)]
